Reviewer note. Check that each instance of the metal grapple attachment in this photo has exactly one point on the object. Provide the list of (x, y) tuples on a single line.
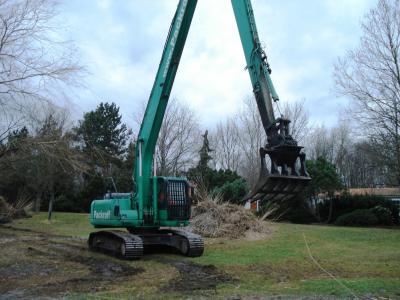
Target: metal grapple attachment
[(281, 178), (283, 174)]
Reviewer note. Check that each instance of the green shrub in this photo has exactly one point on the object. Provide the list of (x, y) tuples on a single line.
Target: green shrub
[(300, 215), (67, 204), (358, 217), (383, 214), (295, 210), (347, 203), (211, 178), (233, 191)]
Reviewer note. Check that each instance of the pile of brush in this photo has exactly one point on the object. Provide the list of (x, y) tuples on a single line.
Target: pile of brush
[(9, 212), (214, 218)]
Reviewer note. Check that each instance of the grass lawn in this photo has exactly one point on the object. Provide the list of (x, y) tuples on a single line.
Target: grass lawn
[(363, 261)]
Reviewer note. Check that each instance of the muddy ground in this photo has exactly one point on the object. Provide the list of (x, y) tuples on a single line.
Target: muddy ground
[(35, 265)]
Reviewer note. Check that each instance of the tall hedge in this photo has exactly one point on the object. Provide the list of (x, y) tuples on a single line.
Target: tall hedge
[(347, 203)]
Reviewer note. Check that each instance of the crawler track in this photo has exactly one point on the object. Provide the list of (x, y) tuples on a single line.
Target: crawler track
[(117, 243), (132, 245), (195, 243)]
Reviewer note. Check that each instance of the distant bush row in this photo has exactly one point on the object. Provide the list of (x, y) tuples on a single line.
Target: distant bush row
[(377, 215), (351, 210), (346, 210)]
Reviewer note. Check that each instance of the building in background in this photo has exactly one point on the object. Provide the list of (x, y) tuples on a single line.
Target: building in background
[(391, 193)]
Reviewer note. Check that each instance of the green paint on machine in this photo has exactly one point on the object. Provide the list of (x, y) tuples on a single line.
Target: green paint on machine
[(166, 201)]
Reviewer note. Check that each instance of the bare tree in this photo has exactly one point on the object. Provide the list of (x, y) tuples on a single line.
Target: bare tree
[(44, 158), (7, 124), (251, 137), (362, 166), (370, 75), (359, 162), (33, 61), (299, 117), (226, 143), (179, 139), (320, 143), (342, 141)]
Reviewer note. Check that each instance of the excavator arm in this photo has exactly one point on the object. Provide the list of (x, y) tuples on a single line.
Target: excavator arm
[(285, 175), (256, 60)]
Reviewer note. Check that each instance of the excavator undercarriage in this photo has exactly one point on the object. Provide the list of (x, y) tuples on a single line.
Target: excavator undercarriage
[(132, 245)]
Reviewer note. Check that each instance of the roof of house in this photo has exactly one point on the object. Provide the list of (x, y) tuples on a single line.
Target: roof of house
[(385, 191)]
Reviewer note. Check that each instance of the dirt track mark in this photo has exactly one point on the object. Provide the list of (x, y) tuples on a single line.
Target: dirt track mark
[(194, 276), (47, 265), (18, 270), (100, 268)]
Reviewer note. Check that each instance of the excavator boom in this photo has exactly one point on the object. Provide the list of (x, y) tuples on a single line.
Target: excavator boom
[(158, 100)]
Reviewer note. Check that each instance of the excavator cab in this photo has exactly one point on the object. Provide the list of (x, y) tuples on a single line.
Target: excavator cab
[(173, 198)]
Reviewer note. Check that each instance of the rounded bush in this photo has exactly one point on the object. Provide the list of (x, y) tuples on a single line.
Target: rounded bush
[(233, 191), (347, 203), (383, 214), (358, 217), (300, 215)]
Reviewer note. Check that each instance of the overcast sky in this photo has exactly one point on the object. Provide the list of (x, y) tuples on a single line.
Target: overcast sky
[(121, 41)]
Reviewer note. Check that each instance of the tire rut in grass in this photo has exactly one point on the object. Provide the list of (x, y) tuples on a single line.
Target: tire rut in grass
[(99, 268), (194, 276), (102, 271)]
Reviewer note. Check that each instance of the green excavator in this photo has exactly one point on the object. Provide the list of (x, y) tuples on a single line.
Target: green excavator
[(160, 206)]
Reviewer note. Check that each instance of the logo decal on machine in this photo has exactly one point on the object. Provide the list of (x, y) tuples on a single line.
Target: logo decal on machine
[(175, 36), (102, 214)]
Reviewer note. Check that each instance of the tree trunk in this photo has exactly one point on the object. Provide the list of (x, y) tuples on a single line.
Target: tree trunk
[(50, 206), (51, 202), (330, 209), (38, 200), (316, 208)]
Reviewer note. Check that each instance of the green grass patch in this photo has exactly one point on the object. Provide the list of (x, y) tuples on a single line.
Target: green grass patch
[(69, 224), (366, 260)]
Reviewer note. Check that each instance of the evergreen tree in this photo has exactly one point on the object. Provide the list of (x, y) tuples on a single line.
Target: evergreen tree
[(325, 179), (204, 152), (102, 130), (123, 175), (201, 172), (228, 183), (104, 139)]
